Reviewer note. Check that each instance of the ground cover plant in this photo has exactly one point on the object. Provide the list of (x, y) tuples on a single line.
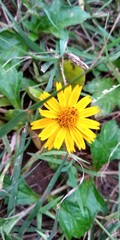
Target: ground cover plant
[(59, 120)]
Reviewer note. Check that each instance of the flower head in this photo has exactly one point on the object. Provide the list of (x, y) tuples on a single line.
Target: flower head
[(66, 119)]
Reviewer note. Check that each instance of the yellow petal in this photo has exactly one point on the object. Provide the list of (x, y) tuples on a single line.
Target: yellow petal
[(87, 132), (60, 94), (74, 95), (83, 102), (67, 93), (88, 111), (77, 137), (52, 103), (87, 138), (50, 142), (48, 131), (48, 107), (41, 123), (48, 114), (59, 138), (89, 123), (69, 142)]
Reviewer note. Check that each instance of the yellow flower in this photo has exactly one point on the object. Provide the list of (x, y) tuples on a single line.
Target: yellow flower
[(66, 119)]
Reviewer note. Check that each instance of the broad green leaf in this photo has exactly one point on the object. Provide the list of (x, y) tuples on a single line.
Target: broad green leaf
[(11, 47), (6, 237), (72, 176), (27, 82), (102, 67), (6, 224), (117, 63), (4, 102), (60, 17), (107, 145), (25, 194), (73, 72), (105, 92), (52, 202), (34, 93), (6, 128), (11, 115), (72, 221), (32, 26), (10, 85)]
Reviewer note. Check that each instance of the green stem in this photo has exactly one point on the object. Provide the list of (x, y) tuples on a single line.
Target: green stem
[(16, 174), (54, 226), (42, 199), (119, 193)]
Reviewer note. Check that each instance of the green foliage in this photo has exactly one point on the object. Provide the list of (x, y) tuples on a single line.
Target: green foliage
[(4, 102), (35, 37), (20, 115), (25, 195), (106, 94), (7, 224), (73, 73), (107, 145), (12, 47), (10, 85), (34, 93), (73, 220), (55, 19)]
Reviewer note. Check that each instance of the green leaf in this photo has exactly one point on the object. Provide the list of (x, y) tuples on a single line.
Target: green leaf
[(10, 85), (27, 82), (4, 102), (32, 45), (6, 224), (107, 145), (34, 93), (11, 114), (72, 176), (117, 63), (6, 237), (107, 97), (60, 17), (72, 221), (11, 47), (6, 128), (25, 194), (73, 72)]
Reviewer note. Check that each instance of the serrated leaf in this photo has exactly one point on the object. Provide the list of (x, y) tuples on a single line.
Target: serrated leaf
[(107, 145), (72, 221), (107, 97), (60, 17), (10, 85)]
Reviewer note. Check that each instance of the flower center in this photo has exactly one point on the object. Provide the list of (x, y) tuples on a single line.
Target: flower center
[(68, 117)]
